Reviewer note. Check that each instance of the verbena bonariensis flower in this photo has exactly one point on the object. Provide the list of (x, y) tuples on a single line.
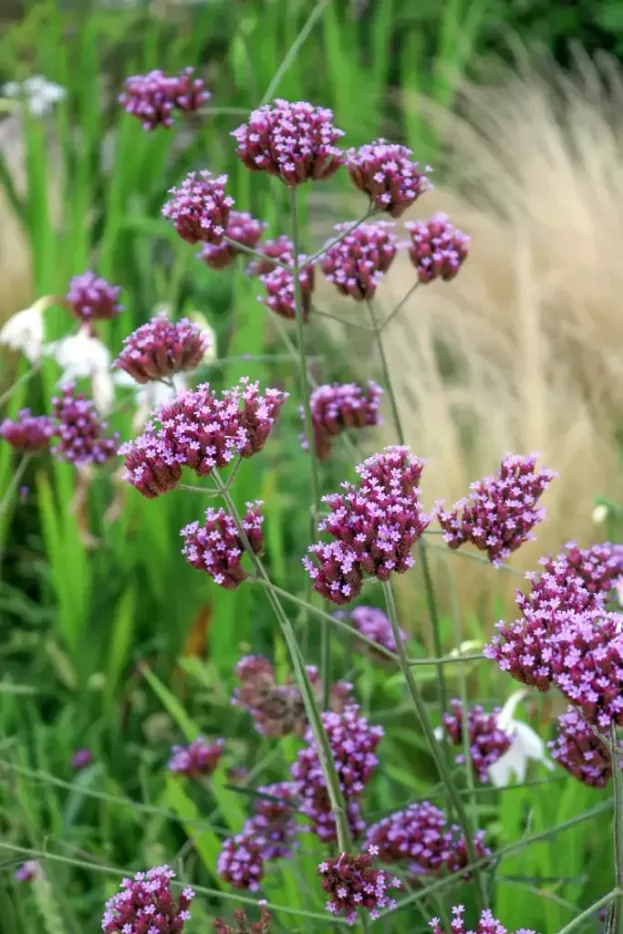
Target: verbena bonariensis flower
[(217, 548), (202, 432), (294, 141), (146, 905), (418, 834), (92, 298), (199, 208), (274, 819), (279, 285), (81, 438), (386, 173), (374, 523), (356, 265), (579, 749), (153, 97), (437, 249), (353, 743), (353, 885), (81, 759), (598, 568), (281, 249), (241, 861), (487, 741), (28, 433), (501, 511), (373, 623), (242, 228), (28, 871), (243, 925), (197, 759), (160, 348), (458, 856), (338, 407), (486, 925)]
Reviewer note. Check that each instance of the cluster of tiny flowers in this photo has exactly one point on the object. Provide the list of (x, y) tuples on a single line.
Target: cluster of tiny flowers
[(197, 759), (487, 742), (599, 568), (28, 433), (200, 208), (486, 925), (294, 141), (202, 432), (152, 98), (338, 407), (437, 249), (357, 263), (501, 511), (280, 292), (579, 750), (274, 820), (281, 249), (28, 871), (160, 348), (243, 925), (146, 905), (242, 228), (374, 524), (353, 743), (387, 174), (81, 759), (92, 298), (80, 432), (353, 885), (216, 547), (241, 861), (374, 624)]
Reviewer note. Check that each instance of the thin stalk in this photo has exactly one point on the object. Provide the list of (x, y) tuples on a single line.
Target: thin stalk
[(331, 243), (591, 911), (292, 52), (190, 488), (482, 559), (436, 749), (350, 324), (387, 380), (224, 111), (18, 382), (14, 483), (255, 253), (617, 777), (398, 307)]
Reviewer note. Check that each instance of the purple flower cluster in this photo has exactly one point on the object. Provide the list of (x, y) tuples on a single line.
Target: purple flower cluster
[(357, 263), (200, 208), (197, 759), (274, 819), (486, 925), (202, 432), (352, 885), (598, 569), (146, 905), (217, 548), (241, 861), (28, 871), (387, 174), (92, 298), (437, 249), (353, 743), (338, 407), (281, 249), (374, 624), (293, 141), (242, 228), (579, 749), (153, 98), (81, 759), (279, 285), (374, 524), (81, 438), (28, 433), (501, 511), (160, 348), (487, 741), (243, 925)]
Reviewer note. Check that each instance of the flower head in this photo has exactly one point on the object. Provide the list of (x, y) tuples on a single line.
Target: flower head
[(274, 819), (153, 98), (281, 249), (81, 434), (373, 623), (147, 905), (217, 548), (28, 871), (501, 511), (294, 141), (28, 433), (386, 173), (418, 834), (82, 356), (92, 298), (243, 925), (599, 569), (197, 759), (486, 925), (357, 263), (242, 228), (199, 208), (579, 749), (279, 285), (81, 759), (526, 745), (37, 92), (241, 861), (437, 249), (339, 407), (487, 740), (353, 885), (161, 348)]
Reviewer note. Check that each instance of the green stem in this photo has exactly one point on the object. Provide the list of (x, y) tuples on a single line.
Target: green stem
[(18, 382), (351, 324), (331, 243), (617, 777), (14, 483), (399, 306), (591, 911), (241, 248), (481, 559), (387, 380), (292, 52)]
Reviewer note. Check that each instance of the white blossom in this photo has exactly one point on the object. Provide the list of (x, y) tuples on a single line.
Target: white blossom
[(39, 93)]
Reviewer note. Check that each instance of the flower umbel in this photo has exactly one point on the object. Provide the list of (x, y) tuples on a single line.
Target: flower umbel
[(81, 759), (274, 819), (199, 208), (242, 228), (486, 925), (579, 749), (160, 348), (487, 741), (81, 438), (373, 623), (28, 433), (243, 925), (437, 249), (147, 905), (217, 548), (339, 407), (281, 249), (386, 173), (92, 298), (153, 98), (279, 285), (356, 265), (352, 884), (197, 759), (241, 861)]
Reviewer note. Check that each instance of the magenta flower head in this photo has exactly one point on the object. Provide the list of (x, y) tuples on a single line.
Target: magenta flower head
[(242, 228), (160, 348), (190, 93), (501, 511), (294, 141), (216, 547), (339, 407), (81, 759), (386, 173), (153, 98), (274, 819), (81, 438), (356, 265), (241, 861), (437, 249), (418, 834), (353, 885), (599, 569), (197, 759), (28, 433), (281, 249), (92, 298), (579, 749), (202, 432), (374, 624), (243, 925), (487, 742), (199, 208), (146, 904), (486, 925), (279, 285), (28, 871)]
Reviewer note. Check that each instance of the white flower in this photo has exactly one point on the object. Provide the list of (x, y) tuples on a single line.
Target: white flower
[(600, 513), (83, 357), (24, 330), (40, 94), (148, 396), (526, 745)]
